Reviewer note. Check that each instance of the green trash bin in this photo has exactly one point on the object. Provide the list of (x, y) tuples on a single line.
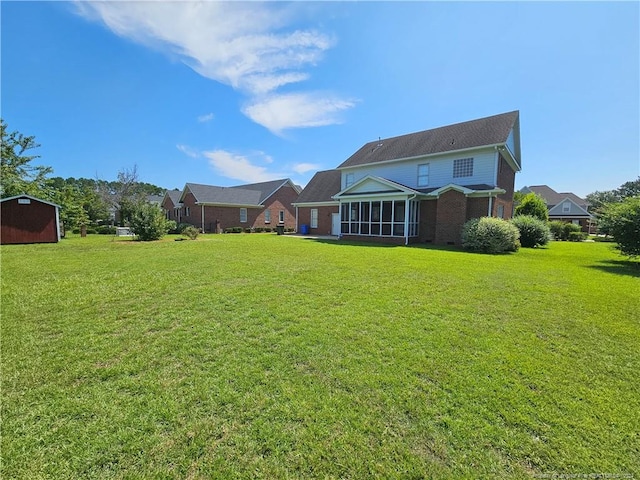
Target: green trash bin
[(280, 229)]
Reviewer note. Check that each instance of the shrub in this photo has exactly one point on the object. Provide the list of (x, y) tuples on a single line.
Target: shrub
[(533, 231), (190, 232), (247, 230), (490, 235), (562, 230), (105, 230), (149, 223), (258, 229), (267, 229), (533, 205), (233, 230), (179, 228), (623, 223), (577, 236)]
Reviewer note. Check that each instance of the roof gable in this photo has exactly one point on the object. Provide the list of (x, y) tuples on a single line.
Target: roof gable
[(552, 198), (375, 185), (253, 194), (575, 210), (488, 131), (321, 188), (24, 195)]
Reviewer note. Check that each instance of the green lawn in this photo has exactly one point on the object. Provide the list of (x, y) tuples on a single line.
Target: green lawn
[(264, 356)]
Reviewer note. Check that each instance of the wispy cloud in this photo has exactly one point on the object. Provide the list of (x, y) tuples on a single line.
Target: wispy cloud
[(302, 168), (281, 112), (240, 167), (205, 118), (188, 151), (241, 44)]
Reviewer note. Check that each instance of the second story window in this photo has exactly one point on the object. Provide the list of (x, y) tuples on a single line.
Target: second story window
[(463, 167), (423, 175), (348, 180)]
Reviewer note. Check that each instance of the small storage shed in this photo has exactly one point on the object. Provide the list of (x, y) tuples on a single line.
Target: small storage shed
[(26, 219)]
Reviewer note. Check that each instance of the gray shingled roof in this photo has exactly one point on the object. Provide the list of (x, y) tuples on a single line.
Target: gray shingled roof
[(250, 194), (492, 130), (321, 187), (174, 195), (554, 198)]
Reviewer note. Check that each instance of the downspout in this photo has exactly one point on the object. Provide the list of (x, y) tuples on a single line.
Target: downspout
[(202, 210), (490, 206), (406, 218), (296, 219)]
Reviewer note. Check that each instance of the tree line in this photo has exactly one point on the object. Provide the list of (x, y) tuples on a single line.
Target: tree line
[(84, 201)]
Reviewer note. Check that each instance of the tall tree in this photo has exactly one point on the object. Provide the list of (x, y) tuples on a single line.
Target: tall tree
[(123, 195), (17, 174)]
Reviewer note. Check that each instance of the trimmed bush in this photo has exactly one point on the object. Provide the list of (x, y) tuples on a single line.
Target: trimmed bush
[(490, 235), (258, 229), (148, 222), (622, 221), (247, 230), (190, 232), (577, 236), (534, 205), (267, 229), (533, 231), (562, 230)]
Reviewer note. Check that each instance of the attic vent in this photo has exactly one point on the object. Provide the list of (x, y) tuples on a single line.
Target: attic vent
[(380, 143)]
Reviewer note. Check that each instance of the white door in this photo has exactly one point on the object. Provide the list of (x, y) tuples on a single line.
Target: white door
[(335, 224)]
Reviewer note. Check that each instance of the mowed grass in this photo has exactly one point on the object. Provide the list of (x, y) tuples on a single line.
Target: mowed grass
[(263, 356)]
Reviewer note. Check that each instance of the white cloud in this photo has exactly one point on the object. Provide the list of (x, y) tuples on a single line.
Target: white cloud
[(205, 118), (302, 168), (239, 167), (188, 151), (241, 44), (280, 112)]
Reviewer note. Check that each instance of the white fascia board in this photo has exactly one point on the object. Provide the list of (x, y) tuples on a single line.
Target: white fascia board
[(425, 156), (230, 205), (376, 195), (487, 193), (509, 157), (558, 206), (31, 198), (316, 204)]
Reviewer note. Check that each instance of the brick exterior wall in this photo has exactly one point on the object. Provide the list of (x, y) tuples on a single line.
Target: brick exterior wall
[(324, 219), (506, 181), (451, 215), (428, 209), (216, 218), (478, 207)]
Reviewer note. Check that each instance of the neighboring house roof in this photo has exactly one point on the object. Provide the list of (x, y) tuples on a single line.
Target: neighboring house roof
[(486, 131), (24, 195), (254, 194), (174, 196), (552, 198), (321, 188), (156, 199)]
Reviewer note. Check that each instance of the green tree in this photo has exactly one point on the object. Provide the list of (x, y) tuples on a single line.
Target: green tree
[(149, 223), (123, 196), (17, 174), (533, 205), (622, 221)]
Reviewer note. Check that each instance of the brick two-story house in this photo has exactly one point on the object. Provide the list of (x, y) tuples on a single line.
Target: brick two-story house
[(419, 187), (212, 208)]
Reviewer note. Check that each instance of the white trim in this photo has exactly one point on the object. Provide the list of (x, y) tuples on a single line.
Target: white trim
[(24, 195), (316, 204)]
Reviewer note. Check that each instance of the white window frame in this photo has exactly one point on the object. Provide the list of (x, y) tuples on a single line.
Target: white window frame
[(423, 175), (463, 167), (500, 211), (243, 215), (267, 216), (281, 216), (314, 218), (187, 212), (566, 207)]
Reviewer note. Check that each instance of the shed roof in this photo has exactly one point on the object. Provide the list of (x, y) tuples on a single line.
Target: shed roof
[(24, 195), (493, 130)]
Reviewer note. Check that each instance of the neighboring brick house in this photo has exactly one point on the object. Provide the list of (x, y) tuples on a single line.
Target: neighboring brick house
[(26, 219), (420, 187), (212, 208), (566, 207), (171, 205)]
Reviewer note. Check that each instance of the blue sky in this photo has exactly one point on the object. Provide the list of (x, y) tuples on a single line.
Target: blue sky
[(231, 93)]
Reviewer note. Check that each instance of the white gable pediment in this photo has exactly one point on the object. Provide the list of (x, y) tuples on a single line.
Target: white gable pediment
[(371, 184), (568, 208)]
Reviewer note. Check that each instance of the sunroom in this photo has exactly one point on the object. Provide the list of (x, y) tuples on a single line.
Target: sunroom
[(377, 207)]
